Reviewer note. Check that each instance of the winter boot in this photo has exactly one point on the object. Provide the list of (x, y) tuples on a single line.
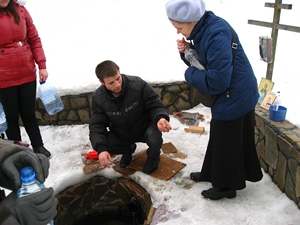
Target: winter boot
[(127, 157), (151, 165), (42, 150), (195, 176), (218, 193)]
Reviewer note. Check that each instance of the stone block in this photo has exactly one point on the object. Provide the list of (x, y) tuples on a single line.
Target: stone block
[(290, 188), (72, 115), (271, 152), (280, 172), (77, 103), (181, 104), (297, 183), (66, 102), (288, 149), (84, 115)]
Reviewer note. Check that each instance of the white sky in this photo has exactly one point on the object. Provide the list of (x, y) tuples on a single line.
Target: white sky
[(137, 35)]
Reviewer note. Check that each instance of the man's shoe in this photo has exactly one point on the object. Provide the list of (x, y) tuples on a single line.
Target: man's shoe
[(218, 193), (127, 157), (151, 165), (195, 176), (125, 160), (43, 151)]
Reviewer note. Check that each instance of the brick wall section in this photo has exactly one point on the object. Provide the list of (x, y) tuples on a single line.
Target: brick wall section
[(278, 143)]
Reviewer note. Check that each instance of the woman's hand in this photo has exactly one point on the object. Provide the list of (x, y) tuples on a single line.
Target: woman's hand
[(182, 44), (43, 73)]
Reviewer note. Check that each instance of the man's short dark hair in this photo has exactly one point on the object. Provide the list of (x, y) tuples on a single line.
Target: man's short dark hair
[(106, 68)]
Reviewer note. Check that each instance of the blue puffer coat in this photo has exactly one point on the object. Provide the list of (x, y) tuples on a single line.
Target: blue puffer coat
[(234, 82)]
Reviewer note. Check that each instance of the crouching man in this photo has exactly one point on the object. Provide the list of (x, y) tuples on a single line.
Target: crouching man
[(126, 110)]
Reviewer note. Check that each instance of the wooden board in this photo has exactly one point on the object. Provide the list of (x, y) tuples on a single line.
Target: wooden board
[(195, 129), (167, 167)]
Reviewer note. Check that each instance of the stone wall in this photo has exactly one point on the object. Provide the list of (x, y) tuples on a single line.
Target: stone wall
[(278, 143), (176, 96), (278, 147)]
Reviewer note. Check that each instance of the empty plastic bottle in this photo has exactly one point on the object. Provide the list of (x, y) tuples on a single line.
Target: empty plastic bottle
[(30, 184), (277, 100), (3, 123), (50, 98)]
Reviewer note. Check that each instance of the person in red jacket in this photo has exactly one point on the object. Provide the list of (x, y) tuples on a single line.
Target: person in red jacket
[(20, 50)]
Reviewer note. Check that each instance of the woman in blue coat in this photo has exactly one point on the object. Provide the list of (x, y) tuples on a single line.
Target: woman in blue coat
[(231, 156)]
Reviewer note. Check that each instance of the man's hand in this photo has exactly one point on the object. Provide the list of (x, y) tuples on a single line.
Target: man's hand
[(105, 158), (163, 125), (12, 164), (37, 208)]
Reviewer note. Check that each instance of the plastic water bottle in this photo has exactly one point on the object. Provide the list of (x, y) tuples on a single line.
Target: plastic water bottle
[(192, 56), (50, 98), (277, 100), (3, 123), (30, 184)]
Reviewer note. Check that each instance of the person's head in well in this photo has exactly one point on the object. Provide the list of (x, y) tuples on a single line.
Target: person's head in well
[(185, 14), (108, 73)]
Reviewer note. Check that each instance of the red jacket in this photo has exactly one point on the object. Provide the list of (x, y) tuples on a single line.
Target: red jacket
[(20, 49)]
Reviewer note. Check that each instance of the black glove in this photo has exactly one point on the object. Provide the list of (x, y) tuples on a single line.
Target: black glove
[(35, 209), (11, 166)]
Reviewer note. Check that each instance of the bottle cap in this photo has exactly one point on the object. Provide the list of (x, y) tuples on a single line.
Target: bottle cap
[(42, 82), (27, 174)]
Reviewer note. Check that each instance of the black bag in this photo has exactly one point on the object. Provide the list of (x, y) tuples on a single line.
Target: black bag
[(206, 99)]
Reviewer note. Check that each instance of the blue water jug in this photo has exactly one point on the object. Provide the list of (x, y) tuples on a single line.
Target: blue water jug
[(50, 98), (3, 123), (30, 184)]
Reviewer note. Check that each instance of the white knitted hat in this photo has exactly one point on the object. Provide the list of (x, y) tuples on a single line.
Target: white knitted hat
[(185, 10)]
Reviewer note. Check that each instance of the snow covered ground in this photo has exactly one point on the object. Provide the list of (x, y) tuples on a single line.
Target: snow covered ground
[(261, 203)]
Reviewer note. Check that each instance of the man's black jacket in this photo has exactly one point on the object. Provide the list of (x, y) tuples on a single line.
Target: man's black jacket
[(127, 115)]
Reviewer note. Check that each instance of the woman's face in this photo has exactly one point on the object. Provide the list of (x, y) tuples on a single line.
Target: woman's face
[(184, 28), (4, 3)]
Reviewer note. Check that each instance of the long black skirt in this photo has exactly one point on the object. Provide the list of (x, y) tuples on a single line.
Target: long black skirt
[(231, 156)]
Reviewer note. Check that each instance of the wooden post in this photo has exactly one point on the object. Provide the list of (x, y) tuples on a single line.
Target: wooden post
[(275, 27)]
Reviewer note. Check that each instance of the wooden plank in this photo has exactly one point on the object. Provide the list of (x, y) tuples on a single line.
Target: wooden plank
[(260, 23), (195, 129), (279, 6), (276, 26), (287, 27)]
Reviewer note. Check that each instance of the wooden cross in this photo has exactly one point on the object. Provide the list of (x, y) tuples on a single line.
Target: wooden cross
[(275, 27)]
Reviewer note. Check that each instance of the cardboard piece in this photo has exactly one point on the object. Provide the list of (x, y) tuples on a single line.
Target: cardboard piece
[(167, 167), (124, 171), (92, 164), (168, 148), (92, 167)]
